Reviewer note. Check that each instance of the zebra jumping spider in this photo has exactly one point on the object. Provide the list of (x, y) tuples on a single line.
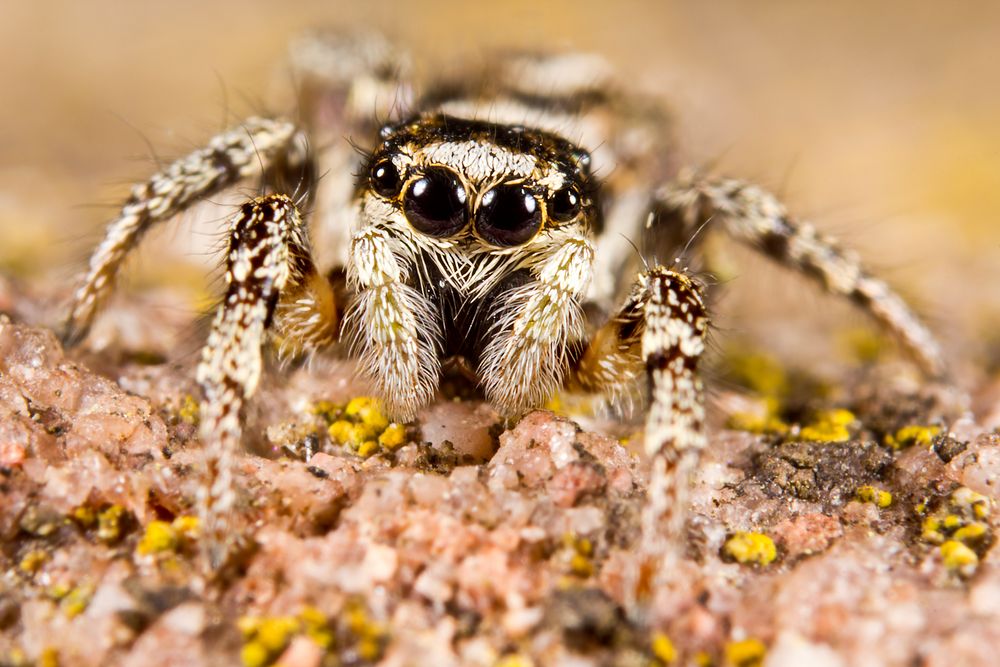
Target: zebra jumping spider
[(494, 219)]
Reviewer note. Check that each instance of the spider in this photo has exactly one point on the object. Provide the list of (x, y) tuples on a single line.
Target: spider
[(492, 219)]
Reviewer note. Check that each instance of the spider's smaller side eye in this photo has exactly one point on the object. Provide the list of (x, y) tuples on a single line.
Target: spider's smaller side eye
[(565, 204), (385, 178)]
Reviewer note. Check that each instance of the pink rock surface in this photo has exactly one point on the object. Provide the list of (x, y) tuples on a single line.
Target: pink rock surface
[(457, 555)]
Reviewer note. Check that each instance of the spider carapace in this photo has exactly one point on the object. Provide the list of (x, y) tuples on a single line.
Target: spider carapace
[(495, 218)]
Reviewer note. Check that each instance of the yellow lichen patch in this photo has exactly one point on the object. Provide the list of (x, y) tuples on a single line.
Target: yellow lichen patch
[(58, 590), (580, 555), (367, 448), (109, 524), (159, 536), (759, 372), (750, 548), (877, 497), (581, 565), (370, 635), (73, 600), (829, 426), (931, 530), (84, 515), (275, 633), (761, 424), (745, 653), (703, 659), (76, 600), (555, 404), (254, 655), (189, 410), (187, 526), (32, 561), (973, 532), (392, 437), (357, 618), (328, 410), (265, 638), (367, 411), (959, 558), (369, 648), (663, 649), (15, 657), (514, 660), (362, 426), (957, 528), (163, 537), (572, 405), (316, 626), (344, 432), (912, 435), (973, 503), (49, 657)]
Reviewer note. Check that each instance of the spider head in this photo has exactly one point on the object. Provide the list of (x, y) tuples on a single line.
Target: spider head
[(477, 183)]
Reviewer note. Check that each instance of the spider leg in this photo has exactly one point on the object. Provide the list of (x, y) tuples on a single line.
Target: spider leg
[(673, 341), (228, 158), (348, 86), (661, 327), (350, 81), (612, 357), (757, 218), (270, 278)]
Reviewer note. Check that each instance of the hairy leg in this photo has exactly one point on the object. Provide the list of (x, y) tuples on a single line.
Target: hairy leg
[(270, 276), (350, 81), (612, 358), (673, 341), (228, 158), (349, 85), (660, 327), (758, 219)]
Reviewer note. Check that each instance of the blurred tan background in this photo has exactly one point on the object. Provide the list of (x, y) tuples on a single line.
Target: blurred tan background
[(879, 121)]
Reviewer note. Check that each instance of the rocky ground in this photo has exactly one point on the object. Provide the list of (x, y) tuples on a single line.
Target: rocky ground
[(845, 513), (829, 527)]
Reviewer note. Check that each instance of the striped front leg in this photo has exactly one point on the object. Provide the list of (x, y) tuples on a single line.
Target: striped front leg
[(673, 341)]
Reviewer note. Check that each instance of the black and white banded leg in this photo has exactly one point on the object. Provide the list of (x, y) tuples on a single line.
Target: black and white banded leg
[(270, 278), (230, 157), (673, 341), (756, 217), (661, 327)]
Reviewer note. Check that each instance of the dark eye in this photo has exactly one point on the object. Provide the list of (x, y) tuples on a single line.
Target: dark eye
[(385, 178), (508, 215), (435, 203), (564, 205)]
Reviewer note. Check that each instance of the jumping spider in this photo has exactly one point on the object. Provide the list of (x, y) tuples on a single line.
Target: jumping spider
[(494, 219)]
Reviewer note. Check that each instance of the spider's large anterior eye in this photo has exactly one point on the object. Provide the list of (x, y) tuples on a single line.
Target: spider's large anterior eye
[(508, 215), (565, 204), (385, 178), (435, 203)]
